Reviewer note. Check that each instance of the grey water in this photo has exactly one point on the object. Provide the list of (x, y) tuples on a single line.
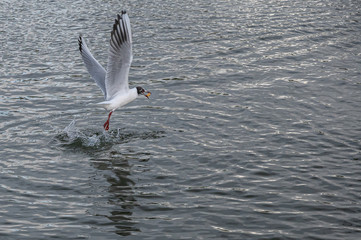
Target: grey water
[(252, 130)]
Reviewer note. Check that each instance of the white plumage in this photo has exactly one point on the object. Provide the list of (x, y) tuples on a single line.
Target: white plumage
[(114, 81)]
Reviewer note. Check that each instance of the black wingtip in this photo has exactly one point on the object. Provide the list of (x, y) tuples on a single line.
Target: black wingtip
[(122, 13), (80, 41)]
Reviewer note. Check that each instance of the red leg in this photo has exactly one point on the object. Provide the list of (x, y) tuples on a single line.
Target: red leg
[(106, 124)]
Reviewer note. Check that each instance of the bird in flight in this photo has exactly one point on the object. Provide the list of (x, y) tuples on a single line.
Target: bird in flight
[(114, 81)]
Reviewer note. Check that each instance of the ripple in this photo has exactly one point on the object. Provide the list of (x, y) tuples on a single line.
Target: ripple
[(252, 131)]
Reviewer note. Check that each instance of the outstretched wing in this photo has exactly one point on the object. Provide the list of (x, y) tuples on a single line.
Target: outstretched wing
[(120, 57), (96, 71)]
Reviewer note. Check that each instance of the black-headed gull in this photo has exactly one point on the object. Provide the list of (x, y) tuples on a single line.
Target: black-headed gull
[(114, 81)]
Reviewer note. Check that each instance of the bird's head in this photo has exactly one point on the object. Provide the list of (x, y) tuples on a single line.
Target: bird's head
[(141, 91)]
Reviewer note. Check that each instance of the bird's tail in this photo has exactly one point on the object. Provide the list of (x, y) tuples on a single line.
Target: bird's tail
[(106, 105)]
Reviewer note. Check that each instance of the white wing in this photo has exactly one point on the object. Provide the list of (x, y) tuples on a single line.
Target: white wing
[(120, 57), (96, 71)]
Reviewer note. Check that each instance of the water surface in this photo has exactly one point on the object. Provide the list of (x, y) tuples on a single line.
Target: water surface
[(252, 130)]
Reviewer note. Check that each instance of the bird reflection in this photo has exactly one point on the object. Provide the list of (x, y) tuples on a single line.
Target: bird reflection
[(121, 195)]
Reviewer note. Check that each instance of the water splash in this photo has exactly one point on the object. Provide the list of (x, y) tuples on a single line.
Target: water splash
[(73, 137)]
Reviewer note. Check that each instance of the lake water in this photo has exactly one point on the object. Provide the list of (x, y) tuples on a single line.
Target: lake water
[(252, 130)]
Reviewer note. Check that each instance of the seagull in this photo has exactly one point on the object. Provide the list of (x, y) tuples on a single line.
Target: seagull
[(114, 81)]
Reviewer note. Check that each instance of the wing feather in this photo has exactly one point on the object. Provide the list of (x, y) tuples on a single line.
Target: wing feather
[(120, 57), (97, 72)]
